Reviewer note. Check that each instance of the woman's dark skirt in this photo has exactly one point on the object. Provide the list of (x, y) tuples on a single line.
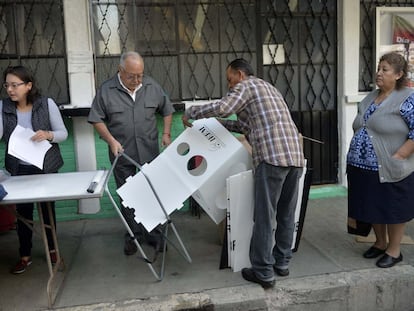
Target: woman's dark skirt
[(379, 203)]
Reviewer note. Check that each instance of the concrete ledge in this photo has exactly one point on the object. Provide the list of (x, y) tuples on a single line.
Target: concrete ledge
[(236, 298), (368, 290), (247, 297)]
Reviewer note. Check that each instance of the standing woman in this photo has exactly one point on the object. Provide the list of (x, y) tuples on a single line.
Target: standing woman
[(380, 161), (27, 108)]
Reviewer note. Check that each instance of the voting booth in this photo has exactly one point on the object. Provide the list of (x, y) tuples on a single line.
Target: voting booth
[(210, 164), (196, 163)]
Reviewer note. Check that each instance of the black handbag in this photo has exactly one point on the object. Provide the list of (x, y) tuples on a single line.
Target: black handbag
[(358, 227)]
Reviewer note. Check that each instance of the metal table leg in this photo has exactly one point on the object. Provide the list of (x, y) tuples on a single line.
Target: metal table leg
[(59, 266)]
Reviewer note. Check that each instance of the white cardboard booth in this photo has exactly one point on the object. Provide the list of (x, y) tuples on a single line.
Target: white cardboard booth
[(196, 163), (210, 164)]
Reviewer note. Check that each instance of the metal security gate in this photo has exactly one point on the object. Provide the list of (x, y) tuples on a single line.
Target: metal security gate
[(188, 44), (306, 32), (32, 34)]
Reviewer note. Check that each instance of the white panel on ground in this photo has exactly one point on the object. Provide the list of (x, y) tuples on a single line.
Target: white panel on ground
[(240, 195), (299, 205)]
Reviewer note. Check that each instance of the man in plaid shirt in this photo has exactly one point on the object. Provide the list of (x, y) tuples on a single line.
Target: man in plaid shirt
[(264, 118)]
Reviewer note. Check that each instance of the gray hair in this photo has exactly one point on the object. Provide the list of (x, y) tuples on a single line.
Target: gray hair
[(131, 54), (399, 64)]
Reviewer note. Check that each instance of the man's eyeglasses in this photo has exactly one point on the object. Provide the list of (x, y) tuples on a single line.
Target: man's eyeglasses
[(131, 76), (12, 85)]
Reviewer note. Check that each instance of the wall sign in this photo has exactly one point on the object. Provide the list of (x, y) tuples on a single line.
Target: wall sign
[(395, 32)]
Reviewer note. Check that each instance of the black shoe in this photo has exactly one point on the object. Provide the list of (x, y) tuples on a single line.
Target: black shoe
[(129, 247), (158, 245), (281, 272), (249, 275), (388, 261), (373, 252)]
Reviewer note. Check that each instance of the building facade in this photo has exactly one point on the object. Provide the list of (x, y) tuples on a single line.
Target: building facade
[(319, 54)]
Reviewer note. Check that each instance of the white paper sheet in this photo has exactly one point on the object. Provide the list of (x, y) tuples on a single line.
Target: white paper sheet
[(23, 148)]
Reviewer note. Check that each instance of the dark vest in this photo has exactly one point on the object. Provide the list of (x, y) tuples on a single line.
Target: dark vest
[(40, 121)]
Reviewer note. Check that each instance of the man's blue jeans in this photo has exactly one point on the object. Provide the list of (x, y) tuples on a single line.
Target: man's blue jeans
[(276, 194)]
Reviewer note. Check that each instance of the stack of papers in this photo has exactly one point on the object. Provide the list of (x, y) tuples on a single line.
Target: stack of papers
[(22, 147)]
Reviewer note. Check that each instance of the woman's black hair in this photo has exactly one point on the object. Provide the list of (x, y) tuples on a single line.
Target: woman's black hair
[(26, 76), (242, 65), (399, 64)]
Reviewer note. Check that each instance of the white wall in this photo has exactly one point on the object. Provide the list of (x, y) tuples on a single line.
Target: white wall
[(79, 49), (348, 76)]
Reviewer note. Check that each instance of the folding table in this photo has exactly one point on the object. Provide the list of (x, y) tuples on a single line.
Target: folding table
[(52, 187)]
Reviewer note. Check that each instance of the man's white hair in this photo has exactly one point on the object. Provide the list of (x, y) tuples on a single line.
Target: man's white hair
[(130, 54)]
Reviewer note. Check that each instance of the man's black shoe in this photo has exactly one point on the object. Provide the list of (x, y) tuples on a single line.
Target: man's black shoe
[(130, 247), (281, 272), (249, 275), (158, 245)]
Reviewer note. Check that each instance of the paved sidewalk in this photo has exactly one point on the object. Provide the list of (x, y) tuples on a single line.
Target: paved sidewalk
[(327, 273)]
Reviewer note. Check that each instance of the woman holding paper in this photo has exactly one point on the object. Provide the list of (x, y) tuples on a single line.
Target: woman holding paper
[(26, 108)]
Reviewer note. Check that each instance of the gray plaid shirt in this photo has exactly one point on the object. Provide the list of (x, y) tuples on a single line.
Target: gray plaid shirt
[(263, 117)]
